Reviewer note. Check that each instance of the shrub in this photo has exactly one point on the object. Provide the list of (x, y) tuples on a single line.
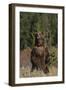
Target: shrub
[(53, 56)]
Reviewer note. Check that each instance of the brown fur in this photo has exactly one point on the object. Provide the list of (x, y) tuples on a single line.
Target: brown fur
[(39, 54)]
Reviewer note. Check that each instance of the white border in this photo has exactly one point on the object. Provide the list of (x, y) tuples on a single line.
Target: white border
[(17, 42)]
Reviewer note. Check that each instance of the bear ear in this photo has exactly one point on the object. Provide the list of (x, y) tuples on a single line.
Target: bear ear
[(42, 33)]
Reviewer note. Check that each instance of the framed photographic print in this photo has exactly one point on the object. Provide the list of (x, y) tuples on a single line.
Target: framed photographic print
[(36, 44)]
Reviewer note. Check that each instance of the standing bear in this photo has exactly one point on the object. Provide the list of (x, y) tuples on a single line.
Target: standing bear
[(40, 54)]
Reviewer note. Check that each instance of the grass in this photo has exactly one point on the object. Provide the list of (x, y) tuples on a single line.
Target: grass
[(26, 72)]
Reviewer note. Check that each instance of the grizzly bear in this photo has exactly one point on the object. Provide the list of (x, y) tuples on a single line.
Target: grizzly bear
[(39, 54)]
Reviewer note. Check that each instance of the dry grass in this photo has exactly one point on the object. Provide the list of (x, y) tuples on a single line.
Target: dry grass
[(26, 72)]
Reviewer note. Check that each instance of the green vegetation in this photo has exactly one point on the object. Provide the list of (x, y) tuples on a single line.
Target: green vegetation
[(53, 57), (34, 22), (30, 23)]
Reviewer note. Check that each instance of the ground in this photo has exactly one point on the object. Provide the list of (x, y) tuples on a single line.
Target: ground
[(26, 72)]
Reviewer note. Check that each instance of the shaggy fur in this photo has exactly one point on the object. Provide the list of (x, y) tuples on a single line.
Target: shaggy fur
[(39, 54)]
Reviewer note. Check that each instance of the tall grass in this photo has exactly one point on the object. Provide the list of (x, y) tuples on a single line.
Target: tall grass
[(52, 65)]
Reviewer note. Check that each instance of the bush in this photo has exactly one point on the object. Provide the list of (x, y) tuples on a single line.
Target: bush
[(53, 56)]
